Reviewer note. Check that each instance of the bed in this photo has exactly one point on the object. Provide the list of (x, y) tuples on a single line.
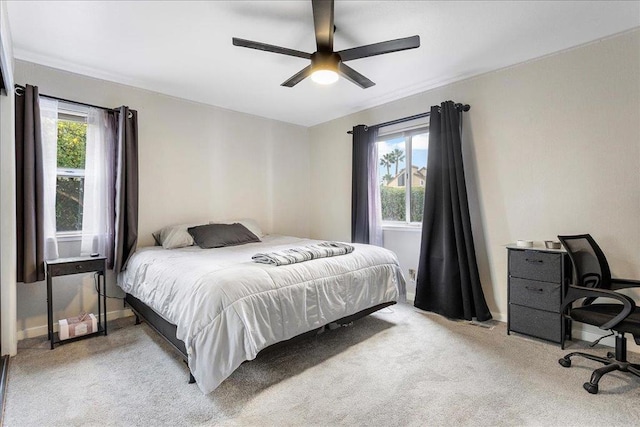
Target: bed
[(219, 308)]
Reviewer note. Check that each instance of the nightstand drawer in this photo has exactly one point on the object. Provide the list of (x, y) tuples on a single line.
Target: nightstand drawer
[(64, 269), (536, 265), (537, 323), (534, 294)]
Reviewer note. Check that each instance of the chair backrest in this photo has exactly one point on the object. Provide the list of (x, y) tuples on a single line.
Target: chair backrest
[(589, 262)]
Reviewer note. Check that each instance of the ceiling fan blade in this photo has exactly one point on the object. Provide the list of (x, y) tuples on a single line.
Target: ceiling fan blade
[(380, 48), (354, 77), (270, 48), (298, 77), (323, 23)]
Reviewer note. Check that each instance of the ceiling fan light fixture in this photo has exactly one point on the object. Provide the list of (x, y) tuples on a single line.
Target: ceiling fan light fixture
[(324, 77), (324, 66)]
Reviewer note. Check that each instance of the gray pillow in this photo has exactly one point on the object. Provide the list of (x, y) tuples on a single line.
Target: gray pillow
[(221, 235)]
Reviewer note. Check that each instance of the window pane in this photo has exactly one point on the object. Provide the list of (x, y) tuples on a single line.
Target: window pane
[(69, 193), (391, 169), (72, 139), (419, 152), (71, 153)]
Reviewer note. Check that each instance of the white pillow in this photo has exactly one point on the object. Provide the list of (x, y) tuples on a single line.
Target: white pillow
[(249, 223), (175, 236)]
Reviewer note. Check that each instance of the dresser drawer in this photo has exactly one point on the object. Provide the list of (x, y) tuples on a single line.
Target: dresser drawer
[(534, 294), (537, 323), (535, 265), (64, 269)]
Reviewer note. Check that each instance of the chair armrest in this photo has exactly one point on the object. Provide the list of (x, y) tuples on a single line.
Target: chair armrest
[(624, 283), (577, 292)]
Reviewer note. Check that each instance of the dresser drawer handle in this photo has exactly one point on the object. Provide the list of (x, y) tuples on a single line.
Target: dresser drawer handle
[(536, 290), (78, 267), (534, 261)]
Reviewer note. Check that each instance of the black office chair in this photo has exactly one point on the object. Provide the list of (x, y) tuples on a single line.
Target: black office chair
[(593, 280)]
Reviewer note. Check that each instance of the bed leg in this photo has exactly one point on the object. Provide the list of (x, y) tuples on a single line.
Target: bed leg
[(191, 379), (137, 320)]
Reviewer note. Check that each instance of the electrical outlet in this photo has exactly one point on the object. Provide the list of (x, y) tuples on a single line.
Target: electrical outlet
[(412, 274)]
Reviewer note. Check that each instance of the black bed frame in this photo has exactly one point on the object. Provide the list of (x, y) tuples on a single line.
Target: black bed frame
[(168, 330)]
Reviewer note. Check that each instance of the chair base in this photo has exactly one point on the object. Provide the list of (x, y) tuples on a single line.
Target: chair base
[(613, 362)]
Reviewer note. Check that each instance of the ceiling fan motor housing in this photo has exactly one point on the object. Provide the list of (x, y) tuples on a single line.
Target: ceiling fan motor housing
[(325, 61)]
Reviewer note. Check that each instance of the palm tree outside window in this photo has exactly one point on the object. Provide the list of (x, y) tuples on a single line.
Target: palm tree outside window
[(402, 193)]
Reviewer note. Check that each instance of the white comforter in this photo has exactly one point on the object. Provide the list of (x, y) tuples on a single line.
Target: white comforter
[(228, 308)]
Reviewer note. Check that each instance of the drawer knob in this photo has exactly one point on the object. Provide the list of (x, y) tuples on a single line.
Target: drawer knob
[(78, 267), (534, 261)]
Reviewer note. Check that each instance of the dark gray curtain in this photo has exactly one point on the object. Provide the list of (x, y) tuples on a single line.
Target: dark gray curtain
[(126, 188), (29, 187), (365, 198), (448, 282)]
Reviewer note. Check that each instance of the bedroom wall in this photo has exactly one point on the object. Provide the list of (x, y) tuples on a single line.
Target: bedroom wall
[(197, 163), (552, 146), (7, 185)]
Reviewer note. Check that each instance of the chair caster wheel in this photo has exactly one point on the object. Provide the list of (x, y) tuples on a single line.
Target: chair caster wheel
[(565, 362), (591, 388), (610, 355)]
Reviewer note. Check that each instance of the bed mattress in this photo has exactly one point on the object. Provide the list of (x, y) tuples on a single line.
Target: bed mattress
[(228, 308)]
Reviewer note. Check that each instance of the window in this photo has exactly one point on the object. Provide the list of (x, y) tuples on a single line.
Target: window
[(402, 187), (78, 144), (70, 176)]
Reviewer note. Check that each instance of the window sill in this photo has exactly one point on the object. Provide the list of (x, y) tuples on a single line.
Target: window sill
[(68, 237), (402, 227)]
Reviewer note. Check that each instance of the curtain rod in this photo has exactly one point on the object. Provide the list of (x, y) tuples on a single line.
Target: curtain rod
[(65, 100), (459, 107)]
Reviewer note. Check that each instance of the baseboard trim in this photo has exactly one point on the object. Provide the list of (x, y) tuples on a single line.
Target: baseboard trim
[(38, 331), (499, 317), (411, 296), (578, 333)]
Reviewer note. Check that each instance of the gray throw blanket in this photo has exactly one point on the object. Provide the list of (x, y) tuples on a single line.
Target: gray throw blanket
[(304, 253)]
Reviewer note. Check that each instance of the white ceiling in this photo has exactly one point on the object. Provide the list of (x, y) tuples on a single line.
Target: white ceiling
[(184, 49)]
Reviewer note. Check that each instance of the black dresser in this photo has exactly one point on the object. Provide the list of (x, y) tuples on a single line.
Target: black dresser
[(538, 280)]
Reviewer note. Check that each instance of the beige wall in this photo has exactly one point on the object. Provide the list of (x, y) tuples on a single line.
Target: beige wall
[(552, 147), (7, 191), (197, 163)]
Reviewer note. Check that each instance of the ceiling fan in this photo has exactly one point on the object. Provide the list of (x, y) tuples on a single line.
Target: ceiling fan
[(326, 65)]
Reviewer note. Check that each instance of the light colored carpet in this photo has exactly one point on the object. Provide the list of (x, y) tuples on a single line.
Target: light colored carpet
[(400, 366)]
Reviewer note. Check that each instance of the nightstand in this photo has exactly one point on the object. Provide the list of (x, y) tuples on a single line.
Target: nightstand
[(537, 282), (66, 266)]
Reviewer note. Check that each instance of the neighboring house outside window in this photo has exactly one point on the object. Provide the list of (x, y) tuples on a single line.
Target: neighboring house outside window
[(402, 193), (418, 177)]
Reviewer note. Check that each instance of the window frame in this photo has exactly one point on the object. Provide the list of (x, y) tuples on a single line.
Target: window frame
[(78, 114), (408, 135)]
